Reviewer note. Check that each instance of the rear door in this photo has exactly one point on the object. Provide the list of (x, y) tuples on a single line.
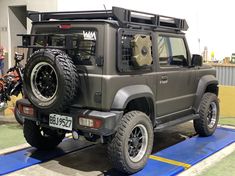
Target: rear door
[(175, 80), (85, 47)]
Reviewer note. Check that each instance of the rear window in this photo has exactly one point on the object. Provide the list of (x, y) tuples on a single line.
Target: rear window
[(82, 44)]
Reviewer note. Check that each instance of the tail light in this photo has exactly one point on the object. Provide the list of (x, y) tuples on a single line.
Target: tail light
[(27, 110), (90, 122)]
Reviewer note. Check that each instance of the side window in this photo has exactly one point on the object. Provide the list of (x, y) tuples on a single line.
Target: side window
[(179, 54), (163, 51), (171, 51)]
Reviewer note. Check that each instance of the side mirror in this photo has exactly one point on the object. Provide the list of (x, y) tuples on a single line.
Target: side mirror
[(196, 60)]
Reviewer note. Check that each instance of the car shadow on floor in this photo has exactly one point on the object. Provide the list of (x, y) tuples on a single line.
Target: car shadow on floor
[(93, 160)]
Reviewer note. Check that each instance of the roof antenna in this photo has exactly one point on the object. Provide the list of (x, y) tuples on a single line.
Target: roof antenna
[(105, 8), (109, 18)]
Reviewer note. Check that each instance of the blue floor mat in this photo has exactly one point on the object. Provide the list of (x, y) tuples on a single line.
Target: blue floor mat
[(11, 162), (190, 151)]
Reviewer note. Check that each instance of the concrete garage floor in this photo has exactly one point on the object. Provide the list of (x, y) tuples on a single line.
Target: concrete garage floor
[(93, 160)]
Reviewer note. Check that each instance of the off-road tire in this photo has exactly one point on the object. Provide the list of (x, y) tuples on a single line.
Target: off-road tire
[(33, 135), (201, 125), (118, 146), (66, 76)]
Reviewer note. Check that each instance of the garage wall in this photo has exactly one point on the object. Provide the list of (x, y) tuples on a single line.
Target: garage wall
[(5, 28), (226, 94), (41, 6), (9, 25), (17, 25), (225, 74)]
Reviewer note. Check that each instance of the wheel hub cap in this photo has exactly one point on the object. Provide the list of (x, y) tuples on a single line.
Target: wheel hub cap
[(212, 115), (137, 143)]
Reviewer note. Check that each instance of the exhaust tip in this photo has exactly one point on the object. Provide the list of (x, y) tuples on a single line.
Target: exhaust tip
[(75, 135)]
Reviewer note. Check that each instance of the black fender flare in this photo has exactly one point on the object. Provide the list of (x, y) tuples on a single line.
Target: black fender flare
[(203, 83), (128, 93)]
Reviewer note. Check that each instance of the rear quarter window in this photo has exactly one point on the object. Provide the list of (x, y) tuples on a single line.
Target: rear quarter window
[(82, 43)]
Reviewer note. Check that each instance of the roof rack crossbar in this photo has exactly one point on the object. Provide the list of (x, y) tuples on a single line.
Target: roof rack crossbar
[(125, 17)]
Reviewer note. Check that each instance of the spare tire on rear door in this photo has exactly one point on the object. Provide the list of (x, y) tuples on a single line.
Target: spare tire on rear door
[(50, 80)]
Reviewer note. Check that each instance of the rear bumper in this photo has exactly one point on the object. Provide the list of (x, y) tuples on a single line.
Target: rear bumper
[(109, 119)]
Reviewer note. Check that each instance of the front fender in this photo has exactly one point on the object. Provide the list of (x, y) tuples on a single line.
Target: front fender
[(202, 85)]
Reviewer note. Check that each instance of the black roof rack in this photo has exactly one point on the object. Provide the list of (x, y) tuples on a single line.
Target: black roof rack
[(125, 17)]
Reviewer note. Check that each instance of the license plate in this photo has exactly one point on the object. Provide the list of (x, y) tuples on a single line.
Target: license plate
[(60, 121)]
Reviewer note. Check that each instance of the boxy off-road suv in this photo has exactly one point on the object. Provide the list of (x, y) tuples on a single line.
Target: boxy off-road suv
[(115, 75)]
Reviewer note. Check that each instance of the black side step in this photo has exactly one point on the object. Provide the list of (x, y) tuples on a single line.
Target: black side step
[(176, 122)]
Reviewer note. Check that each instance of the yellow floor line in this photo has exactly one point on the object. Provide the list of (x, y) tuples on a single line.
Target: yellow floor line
[(169, 161)]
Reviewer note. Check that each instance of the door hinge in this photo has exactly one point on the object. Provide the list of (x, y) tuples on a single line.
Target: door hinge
[(100, 61)]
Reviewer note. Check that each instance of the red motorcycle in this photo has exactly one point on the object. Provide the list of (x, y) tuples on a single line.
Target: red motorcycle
[(11, 83)]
